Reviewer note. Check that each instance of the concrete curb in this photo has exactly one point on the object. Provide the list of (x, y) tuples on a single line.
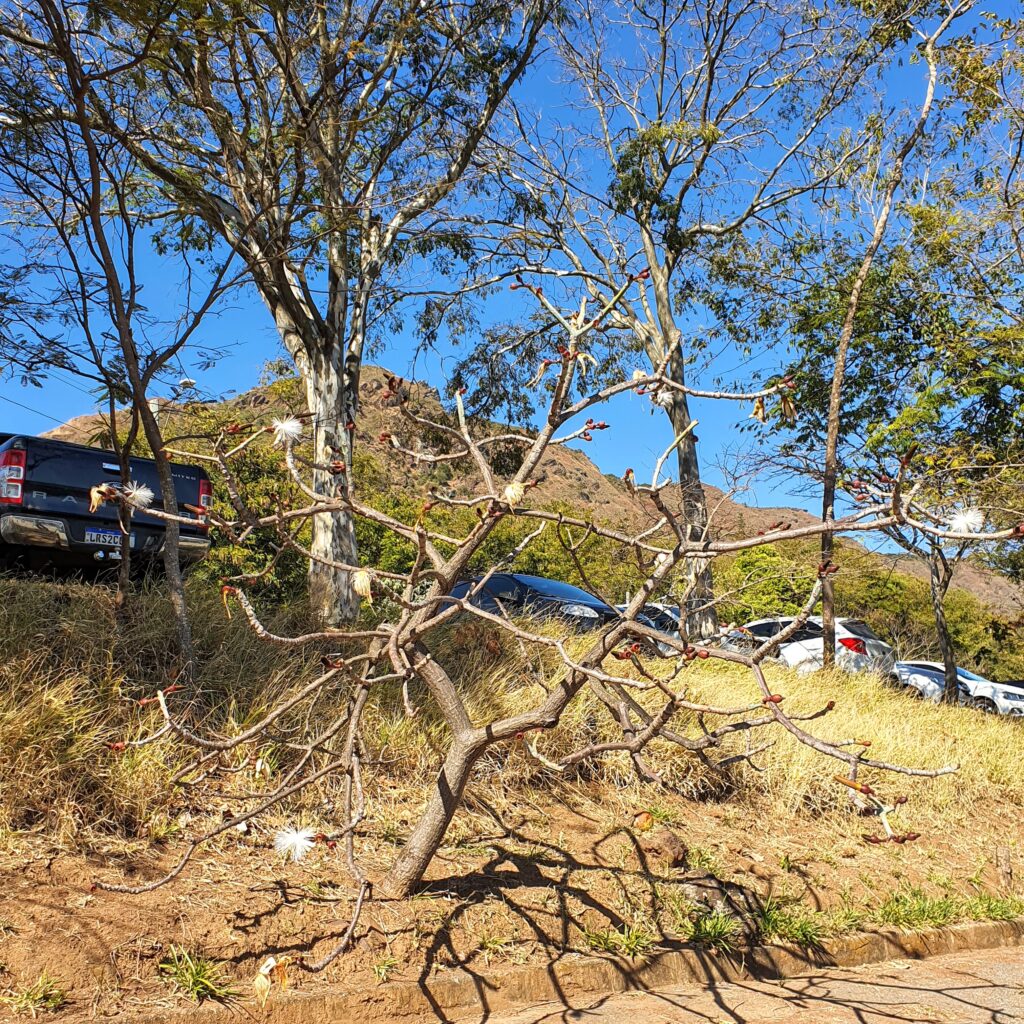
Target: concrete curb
[(473, 997)]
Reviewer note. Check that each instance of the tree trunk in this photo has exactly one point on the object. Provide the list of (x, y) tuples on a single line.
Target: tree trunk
[(939, 578), (700, 615), (172, 559), (334, 537), (426, 837)]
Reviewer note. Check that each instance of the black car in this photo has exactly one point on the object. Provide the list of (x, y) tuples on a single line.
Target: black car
[(44, 506), (513, 593)]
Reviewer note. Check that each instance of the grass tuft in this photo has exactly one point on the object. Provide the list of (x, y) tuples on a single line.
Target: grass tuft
[(44, 995), (633, 941), (195, 976), (715, 931)]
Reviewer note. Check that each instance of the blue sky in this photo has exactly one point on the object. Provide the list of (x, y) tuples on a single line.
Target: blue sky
[(244, 332)]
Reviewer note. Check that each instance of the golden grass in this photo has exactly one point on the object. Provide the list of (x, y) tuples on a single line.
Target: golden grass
[(71, 677)]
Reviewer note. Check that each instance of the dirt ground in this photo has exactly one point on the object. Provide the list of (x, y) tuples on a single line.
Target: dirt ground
[(519, 882)]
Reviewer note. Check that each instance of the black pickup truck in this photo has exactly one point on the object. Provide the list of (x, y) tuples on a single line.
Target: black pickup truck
[(44, 505)]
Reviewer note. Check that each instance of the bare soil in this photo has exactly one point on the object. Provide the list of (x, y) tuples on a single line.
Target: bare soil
[(520, 882)]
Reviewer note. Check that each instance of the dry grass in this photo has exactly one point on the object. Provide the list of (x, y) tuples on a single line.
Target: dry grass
[(71, 678)]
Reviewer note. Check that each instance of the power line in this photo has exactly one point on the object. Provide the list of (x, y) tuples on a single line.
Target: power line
[(27, 408)]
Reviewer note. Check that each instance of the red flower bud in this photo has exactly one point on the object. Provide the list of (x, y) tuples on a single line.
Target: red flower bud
[(702, 653), (830, 706), (775, 698)]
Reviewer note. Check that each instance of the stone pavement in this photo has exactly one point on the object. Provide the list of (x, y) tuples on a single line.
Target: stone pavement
[(985, 987)]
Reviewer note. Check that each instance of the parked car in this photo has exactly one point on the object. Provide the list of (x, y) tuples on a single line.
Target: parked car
[(858, 649), (44, 505), (663, 617), (928, 680), (513, 593)]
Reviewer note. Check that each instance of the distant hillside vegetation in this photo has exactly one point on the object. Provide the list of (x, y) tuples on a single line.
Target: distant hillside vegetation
[(889, 591)]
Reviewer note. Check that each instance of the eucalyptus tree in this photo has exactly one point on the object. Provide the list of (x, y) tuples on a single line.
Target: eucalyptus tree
[(78, 226), (686, 130), (322, 143)]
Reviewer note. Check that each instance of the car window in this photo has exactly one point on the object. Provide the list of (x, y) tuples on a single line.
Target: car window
[(661, 619), (555, 590), (764, 630), (858, 628), (808, 631)]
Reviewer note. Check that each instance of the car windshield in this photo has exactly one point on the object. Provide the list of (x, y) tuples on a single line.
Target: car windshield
[(555, 590), (964, 674)]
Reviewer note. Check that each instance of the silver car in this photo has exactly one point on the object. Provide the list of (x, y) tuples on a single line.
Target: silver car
[(858, 648), (928, 679)]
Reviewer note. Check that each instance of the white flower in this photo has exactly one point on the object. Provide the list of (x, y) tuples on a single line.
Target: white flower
[(286, 431), (294, 842), (967, 520), (362, 584), (138, 495), (514, 493)]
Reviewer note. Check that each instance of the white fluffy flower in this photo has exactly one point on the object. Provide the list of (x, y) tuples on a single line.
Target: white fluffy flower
[(967, 520), (294, 842), (286, 431), (138, 495), (362, 584), (514, 493)]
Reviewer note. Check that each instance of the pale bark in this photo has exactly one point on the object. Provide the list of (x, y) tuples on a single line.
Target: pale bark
[(334, 536)]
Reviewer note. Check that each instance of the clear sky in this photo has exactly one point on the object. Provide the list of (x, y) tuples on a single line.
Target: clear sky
[(244, 331)]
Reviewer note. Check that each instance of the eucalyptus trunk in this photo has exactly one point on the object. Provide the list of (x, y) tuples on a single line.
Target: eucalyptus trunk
[(333, 543), (700, 616)]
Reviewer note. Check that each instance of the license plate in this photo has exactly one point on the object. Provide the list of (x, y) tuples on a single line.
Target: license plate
[(108, 538)]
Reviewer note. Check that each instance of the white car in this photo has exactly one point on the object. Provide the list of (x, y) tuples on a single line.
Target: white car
[(858, 649), (928, 679)]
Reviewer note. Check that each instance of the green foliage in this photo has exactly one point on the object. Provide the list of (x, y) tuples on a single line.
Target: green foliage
[(715, 930)]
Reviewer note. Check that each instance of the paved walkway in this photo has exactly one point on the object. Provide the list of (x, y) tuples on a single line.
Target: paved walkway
[(967, 988)]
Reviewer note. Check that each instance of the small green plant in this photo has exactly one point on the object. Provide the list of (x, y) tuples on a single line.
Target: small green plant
[(700, 858), (162, 829), (715, 930), (195, 976), (913, 908), (44, 995), (663, 815), (385, 968), (632, 941), (779, 921), (492, 946), (787, 863), (987, 907)]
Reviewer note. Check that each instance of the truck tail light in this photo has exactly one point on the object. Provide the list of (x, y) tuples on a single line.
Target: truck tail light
[(853, 643), (205, 501), (12, 476)]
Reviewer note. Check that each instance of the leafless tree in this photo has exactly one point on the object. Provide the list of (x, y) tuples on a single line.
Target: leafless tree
[(694, 129), (642, 691)]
